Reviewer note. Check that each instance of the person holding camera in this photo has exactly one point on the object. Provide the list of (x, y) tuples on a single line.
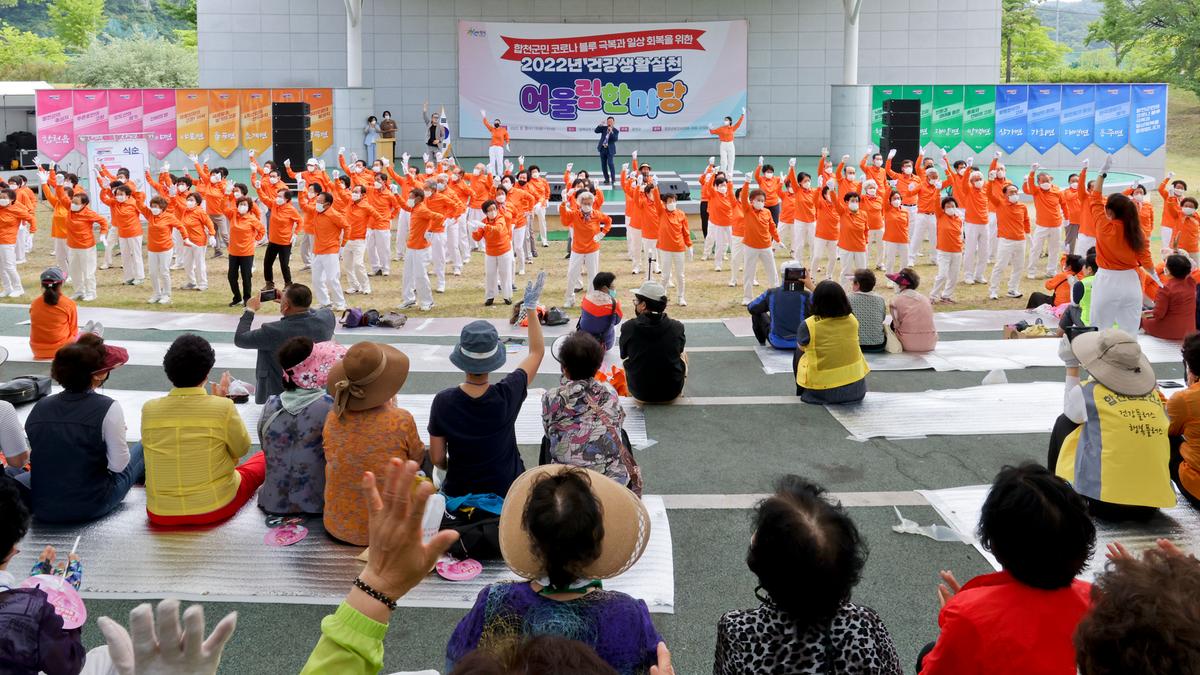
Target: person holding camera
[(776, 315), (299, 320)]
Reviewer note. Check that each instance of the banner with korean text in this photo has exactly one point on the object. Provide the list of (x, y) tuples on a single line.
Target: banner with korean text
[(560, 81)]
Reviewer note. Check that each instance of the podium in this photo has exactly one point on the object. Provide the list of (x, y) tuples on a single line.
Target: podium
[(386, 147)]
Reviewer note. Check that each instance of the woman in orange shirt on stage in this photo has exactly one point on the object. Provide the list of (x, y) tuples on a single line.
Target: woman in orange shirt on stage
[(53, 317), (1121, 248), (725, 133), (771, 186)]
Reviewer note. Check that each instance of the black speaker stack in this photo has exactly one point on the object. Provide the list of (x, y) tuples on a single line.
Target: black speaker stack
[(674, 186), (290, 135), (901, 129)]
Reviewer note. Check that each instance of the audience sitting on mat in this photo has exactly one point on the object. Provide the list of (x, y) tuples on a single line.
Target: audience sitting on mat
[(1143, 619), (912, 313), (1021, 619), (1060, 284), (1183, 409), (871, 311), (81, 466), (1078, 313), (14, 447), (193, 442), (1174, 313), (829, 364), (34, 638), (291, 426), (363, 430), (776, 315), (1111, 440), (564, 530), (299, 319), (600, 312), (652, 348), (808, 556), (582, 417), (53, 317)]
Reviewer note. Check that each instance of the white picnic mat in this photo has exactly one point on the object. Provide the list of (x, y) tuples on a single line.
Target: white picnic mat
[(960, 508), (775, 361), (125, 558), (967, 320)]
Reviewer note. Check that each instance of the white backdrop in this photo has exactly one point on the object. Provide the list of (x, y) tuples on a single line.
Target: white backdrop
[(115, 151)]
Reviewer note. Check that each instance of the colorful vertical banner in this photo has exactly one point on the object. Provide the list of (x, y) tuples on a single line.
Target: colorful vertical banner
[(158, 121), (320, 118), (879, 94), (191, 114), (55, 123), (1112, 117), (947, 118), (223, 120), (1012, 102), (923, 93), (979, 116), (1148, 128), (125, 111), (255, 105), (1076, 120), (287, 95), (91, 115), (1045, 103)]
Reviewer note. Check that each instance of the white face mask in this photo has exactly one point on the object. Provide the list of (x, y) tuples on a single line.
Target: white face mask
[(535, 174), (722, 189), (850, 175), (878, 162), (273, 180), (587, 209), (191, 205), (670, 207), (312, 168), (215, 178), (182, 188), (853, 206), (121, 199), (1044, 186), (1000, 173), (501, 200), (243, 208), (279, 201), (978, 183), (1139, 198), (932, 179), (356, 196), (961, 171), (1178, 192), (411, 203), (1013, 198), (896, 203), (871, 190), (758, 205), (357, 169), (5, 202), (441, 186), (768, 174), (477, 171), (321, 207), (377, 168), (1074, 185), (806, 185), (957, 213), (155, 210), (378, 186), (76, 207), (906, 170), (493, 214), (1189, 211)]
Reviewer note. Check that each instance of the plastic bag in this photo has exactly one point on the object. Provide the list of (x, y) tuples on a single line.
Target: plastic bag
[(935, 532)]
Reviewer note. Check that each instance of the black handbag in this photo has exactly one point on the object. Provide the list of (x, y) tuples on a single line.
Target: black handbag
[(25, 389)]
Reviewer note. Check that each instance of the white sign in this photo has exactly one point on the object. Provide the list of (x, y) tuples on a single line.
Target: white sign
[(114, 151)]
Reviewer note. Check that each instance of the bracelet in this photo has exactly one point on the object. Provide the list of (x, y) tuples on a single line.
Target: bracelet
[(385, 600)]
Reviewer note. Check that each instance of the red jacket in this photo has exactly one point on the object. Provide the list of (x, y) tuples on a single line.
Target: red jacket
[(1174, 310), (996, 625)]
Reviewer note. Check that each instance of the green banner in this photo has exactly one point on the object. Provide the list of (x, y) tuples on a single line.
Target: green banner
[(979, 116), (925, 94), (879, 94), (947, 116)]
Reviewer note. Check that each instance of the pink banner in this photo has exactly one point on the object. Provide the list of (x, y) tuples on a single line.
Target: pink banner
[(125, 111), (91, 115), (158, 121), (55, 123)]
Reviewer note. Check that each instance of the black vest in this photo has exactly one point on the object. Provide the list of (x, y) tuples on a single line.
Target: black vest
[(70, 479)]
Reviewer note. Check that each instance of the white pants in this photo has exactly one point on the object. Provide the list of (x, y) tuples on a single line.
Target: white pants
[(823, 249), (802, 239), (975, 250), (497, 273), (306, 248), (737, 257), (650, 253), (496, 160), (728, 154), (160, 274), (518, 248), (894, 256), (1117, 300), (60, 254), (578, 263), (785, 233), (1051, 239), (197, 268), (354, 261), (1010, 255), (110, 245), (24, 242), (416, 280), (993, 236), (83, 270), (754, 256), (634, 244), (437, 257), (672, 261), (8, 265), (1082, 243), (453, 248), (850, 262), (221, 227), (379, 248), (922, 227), (1166, 235), (722, 236), (875, 241), (464, 239), (948, 267), (401, 235), (326, 285), (131, 258), (539, 216)]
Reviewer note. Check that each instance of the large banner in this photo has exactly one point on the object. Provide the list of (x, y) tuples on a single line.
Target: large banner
[(224, 120), (1012, 104), (879, 94), (158, 121), (1076, 120), (1112, 117), (55, 123), (320, 118), (191, 110), (560, 81), (1149, 117), (979, 117), (115, 151), (256, 119), (947, 116), (91, 115), (1045, 103), (125, 111)]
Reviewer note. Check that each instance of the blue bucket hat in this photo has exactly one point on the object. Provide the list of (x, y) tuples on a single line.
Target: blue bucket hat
[(479, 349)]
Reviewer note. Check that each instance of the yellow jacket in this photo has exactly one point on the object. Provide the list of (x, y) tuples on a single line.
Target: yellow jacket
[(832, 357)]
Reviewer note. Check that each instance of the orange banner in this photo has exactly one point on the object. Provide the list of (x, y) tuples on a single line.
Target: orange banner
[(191, 114), (223, 120), (256, 119), (287, 95), (320, 111)]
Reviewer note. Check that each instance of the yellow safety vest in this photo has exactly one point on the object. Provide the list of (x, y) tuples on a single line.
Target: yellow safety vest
[(1120, 454), (832, 357)]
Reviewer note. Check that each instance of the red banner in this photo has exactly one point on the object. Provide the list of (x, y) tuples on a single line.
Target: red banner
[(586, 46)]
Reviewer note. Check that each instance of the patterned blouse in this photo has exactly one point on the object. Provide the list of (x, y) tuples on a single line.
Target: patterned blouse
[(870, 309), (583, 419), (295, 453)]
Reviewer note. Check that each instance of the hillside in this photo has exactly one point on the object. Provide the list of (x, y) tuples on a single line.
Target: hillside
[(1068, 23), (125, 18)]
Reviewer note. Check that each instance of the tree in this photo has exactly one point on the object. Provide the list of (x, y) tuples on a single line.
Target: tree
[(1118, 27), (77, 22), (14, 3), (28, 56), (136, 62), (1027, 43), (183, 11)]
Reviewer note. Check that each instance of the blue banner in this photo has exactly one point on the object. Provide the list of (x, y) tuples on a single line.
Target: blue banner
[(1011, 106), (1044, 105), (1148, 122), (1075, 122), (1112, 117)]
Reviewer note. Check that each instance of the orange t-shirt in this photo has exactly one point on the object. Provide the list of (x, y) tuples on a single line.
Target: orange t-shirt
[(584, 229), (725, 132), (423, 220), (949, 233), (197, 225), (895, 224), (11, 217), (284, 221), (499, 134), (827, 219), (1183, 409), (158, 230), (673, 234), (245, 229), (52, 327), (124, 214), (760, 227), (1112, 251), (852, 227), (80, 233), (329, 229), (772, 186), (359, 217), (1187, 234), (496, 236), (1047, 204)]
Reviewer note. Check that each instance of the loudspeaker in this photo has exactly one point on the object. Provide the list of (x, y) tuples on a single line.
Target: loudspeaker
[(289, 108), (898, 133), (902, 119), (679, 188), (908, 149), (901, 105), (291, 122), (556, 191), (298, 152), (291, 135)]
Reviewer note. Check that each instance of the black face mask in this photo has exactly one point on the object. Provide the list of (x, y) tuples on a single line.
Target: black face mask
[(522, 182)]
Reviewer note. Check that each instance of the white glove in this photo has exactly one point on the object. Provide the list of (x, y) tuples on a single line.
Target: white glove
[(228, 187), (482, 112), (404, 156), (395, 189), (743, 110), (424, 156), (997, 155), (943, 152), (321, 164), (845, 158), (212, 241), (250, 153), (195, 158), (166, 167), (287, 162), (870, 149), (571, 165), (354, 157), (971, 160), (832, 183), (438, 156), (1107, 164), (520, 159), (760, 160), (1034, 167), (710, 126), (1170, 175), (385, 162), (167, 650), (598, 237), (792, 162), (44, 176), (1067, 354), (891, 153), (341, 151), (475, 225), (691, 253), (712, 160), (625, 166), (508, 147), (336, 173), (1085, 163), (824, 152)]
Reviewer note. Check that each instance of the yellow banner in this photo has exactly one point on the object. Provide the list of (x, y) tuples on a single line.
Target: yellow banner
[(287, 95), (191, 113), (320, 110), (256, 119), (223, 120)]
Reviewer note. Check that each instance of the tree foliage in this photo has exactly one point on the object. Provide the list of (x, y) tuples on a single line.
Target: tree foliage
[(27, 56), (1117, 27), (1161, 34), (1025, 43), (135, 63), (76, 23)]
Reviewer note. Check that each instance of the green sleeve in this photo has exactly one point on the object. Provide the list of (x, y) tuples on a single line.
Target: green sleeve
[(350, 644)]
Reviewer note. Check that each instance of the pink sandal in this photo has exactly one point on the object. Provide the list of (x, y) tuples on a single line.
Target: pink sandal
[(458, 570)]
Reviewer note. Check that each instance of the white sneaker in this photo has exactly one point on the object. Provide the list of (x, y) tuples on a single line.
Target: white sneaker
[(408, 304), (16, 294), (969, 282), (440, 289), (153, 300), (745, 301), (105, 266), (682, 302), (1014, 294), (339, 308), (164, 300), (426, 308), (1030, 276), (732, 283), (993, 296), (89, 297)]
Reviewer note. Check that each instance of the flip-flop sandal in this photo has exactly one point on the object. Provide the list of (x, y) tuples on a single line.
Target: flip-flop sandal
[(458, 570), (285, 536)]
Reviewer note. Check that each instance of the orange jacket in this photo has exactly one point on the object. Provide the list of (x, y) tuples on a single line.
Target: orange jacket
[(723, 208), (725, 132), (310, 177), (329, 231), (972, 199), (61, 203), (1087, 226), (11, 217), (895, 224), (827, 219), (499, 133), (1012, 218), (852, 227), (1060, 286), (875, 173), (285, 221), (1172, 211), (423, 220), (198, 226), (760, 227), (158, 229), (80, 233), (584, 228), (446, 205), (929, 196), (245, 230), (28, 198), (386, 203), (124, 214), (649, 208), (771, 186), (706, 183), (496, 235), (365, 177), (632, 207), (1047, 204), (1112, 251), (360, 217), (873, 206), (673, 234), (522, 199), (1186, 235), (52, 327), (949, 232)]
